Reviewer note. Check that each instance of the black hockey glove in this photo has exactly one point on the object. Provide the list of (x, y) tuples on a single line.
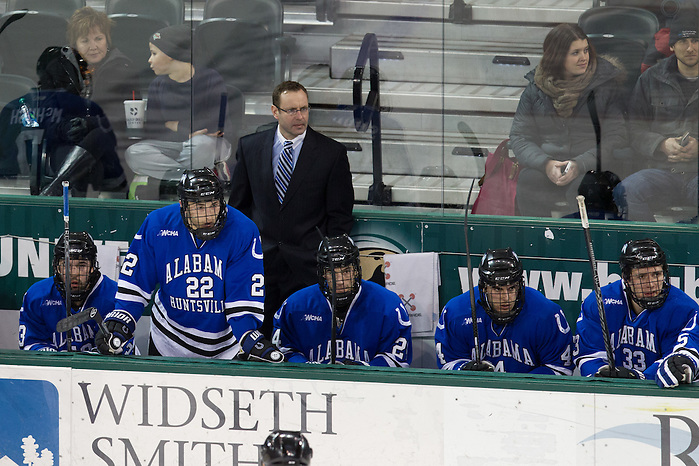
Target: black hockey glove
[(350, 362), (483, 366), (677, 368), (255, 347), (619, 373), (78, 130), (120, 328)]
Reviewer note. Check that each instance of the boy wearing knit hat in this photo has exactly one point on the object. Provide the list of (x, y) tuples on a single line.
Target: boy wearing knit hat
[(663, 114), (182, 114)]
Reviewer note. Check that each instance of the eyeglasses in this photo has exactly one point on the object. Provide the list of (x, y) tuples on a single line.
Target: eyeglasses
[(294, 111)]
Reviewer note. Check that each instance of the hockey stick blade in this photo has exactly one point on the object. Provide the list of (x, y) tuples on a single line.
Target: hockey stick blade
[(80, 318), (595, 276)]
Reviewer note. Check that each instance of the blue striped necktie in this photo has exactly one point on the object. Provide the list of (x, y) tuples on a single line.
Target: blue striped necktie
[(284, 169)]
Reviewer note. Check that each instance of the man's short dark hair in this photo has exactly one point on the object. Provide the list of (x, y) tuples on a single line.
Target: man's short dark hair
[(286, 86)]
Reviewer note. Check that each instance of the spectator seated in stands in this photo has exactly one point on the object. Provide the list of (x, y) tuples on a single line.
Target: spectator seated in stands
[(182, 113), (77, 136), (552, 134), (663, 129), (112, 77)]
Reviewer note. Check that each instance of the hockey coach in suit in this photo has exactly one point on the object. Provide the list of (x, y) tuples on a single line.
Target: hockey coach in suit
[(289, 180)]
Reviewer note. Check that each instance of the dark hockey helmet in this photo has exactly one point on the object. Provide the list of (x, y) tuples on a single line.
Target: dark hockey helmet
[(62, 68), (642, 253), (199, 186), (501, 267), (81, 246), (284, 447), (340, 251)]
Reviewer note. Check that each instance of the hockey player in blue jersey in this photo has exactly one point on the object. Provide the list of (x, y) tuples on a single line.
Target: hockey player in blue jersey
[(206, 259), (645, 315), (372, 325), (44, 303), (518, 328)]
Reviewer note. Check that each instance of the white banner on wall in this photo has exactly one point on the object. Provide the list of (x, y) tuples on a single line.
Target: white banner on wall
[(415, 278), (91, 417)]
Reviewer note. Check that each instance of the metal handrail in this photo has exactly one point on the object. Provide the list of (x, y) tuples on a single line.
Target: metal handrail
[(369, 114)]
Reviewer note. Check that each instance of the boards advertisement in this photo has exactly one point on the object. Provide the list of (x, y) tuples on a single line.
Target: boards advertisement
[(78, 416)]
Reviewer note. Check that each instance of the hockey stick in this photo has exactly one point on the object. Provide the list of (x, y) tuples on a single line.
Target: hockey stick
[(598, 292), (221, 123), (66, 248), (91, 313), (80, 318), (476, 340), (333, 304)]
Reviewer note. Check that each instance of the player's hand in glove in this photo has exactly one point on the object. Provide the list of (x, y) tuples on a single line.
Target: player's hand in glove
[(350, 362), (255, 347), (676, 368), (619, 373), (483, 366), (78, 129), (121, 327)]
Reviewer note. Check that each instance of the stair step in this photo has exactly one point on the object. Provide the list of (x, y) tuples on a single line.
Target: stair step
[(420, 190), (519, 11), (419, 97), (436, 61)]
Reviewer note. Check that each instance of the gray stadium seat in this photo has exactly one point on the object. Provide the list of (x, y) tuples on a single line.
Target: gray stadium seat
[(621, 32), (245, 54), (14, 86), (63, 8), (24, 35), (130, 34), (268, 13), (619, 21), (170, 11)]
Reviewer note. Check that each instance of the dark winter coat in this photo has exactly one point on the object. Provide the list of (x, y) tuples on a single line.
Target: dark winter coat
[(659, 110), (538, 134)]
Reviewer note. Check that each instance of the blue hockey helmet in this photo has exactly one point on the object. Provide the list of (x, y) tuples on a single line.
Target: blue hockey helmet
[(285, 447), (500, 267)]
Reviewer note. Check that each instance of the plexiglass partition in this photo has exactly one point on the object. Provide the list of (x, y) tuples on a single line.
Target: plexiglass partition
[(594, 99)]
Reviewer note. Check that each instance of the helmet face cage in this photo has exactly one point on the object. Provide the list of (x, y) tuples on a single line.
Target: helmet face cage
[(500, 267), (201, 186), (284, 447), (81, 246), (342, 255), (639, 254)]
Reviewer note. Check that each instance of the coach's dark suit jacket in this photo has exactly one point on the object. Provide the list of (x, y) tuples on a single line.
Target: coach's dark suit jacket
[(320, 194)]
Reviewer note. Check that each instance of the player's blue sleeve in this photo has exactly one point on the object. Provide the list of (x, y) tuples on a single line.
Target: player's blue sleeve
[(590, 353), (138, 276), (687, 339), (34, 334), (285, 335), (245, 280), (556, 340), (452, 348), (396, 346), (679, 328)]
